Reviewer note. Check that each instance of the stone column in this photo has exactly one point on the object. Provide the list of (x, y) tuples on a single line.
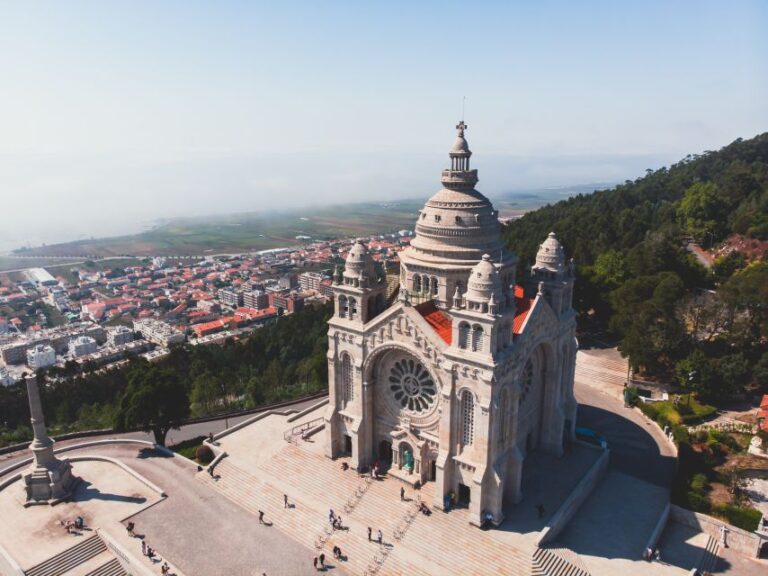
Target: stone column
[(48, 480)]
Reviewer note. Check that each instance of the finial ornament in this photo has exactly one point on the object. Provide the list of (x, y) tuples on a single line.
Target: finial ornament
[(461, 126)]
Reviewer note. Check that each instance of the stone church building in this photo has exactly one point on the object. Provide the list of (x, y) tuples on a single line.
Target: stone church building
[(469, 370)]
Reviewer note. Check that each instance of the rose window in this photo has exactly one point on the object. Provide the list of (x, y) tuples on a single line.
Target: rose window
[(412, 386)]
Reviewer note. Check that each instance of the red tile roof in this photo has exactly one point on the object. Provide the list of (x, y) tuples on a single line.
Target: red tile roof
[(439, 320), (522, 307), (762, 413)]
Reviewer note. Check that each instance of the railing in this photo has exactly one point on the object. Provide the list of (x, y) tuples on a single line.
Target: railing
[(296, 432)]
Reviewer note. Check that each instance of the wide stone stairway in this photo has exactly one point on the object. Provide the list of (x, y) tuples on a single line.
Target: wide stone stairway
[(87, 558), (413, 544)]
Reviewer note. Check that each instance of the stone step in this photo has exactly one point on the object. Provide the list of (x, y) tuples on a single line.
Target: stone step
[(90, 564), (552, 562), (69, 558), (111, 568)]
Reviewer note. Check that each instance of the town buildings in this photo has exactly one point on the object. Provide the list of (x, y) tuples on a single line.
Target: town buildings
[(470, 370)]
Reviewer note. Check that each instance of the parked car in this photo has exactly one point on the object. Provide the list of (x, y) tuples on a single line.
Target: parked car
[(589, 435)]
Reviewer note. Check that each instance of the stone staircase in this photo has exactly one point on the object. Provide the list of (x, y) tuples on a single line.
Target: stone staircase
[(305, 522), (557, 562), (708, 562), (111, 568), (601, 370), (68, 561)]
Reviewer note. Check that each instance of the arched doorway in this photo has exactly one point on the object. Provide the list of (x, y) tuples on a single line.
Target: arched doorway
[(385, 453), (407, 461)]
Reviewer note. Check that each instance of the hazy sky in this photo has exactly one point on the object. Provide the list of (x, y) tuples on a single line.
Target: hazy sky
[(114, 113)]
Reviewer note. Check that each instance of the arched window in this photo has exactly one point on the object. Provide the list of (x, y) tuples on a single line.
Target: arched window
[(416, 283), (467, 418), (477, 338), (352, 308), (343, 310), (463, 335), (434, 286), (503, 416), (347, 391), (527, 381)]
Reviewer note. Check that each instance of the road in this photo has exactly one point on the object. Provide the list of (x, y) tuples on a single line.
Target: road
[(638, 447), (174, 436)]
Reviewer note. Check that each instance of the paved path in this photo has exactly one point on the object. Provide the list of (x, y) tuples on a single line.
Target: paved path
[(201, 531), (174, 436)]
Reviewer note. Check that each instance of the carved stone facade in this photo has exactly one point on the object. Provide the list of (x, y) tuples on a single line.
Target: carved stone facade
[(467, 372)]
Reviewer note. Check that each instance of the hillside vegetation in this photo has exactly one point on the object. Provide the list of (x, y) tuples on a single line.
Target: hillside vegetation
[(637, 279)]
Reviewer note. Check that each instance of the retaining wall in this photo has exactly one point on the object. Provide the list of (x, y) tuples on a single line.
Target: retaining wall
[(743, 542), (577, 497)]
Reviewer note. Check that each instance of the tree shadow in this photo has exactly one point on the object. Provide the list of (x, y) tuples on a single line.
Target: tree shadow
[(145, 453)]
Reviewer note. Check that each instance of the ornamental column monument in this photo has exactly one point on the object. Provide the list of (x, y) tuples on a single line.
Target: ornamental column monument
[(48, 480)]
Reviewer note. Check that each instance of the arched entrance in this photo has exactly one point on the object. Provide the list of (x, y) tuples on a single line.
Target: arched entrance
[(385, 453)]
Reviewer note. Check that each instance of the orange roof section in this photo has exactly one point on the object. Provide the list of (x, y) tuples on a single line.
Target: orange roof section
[(440, 322)]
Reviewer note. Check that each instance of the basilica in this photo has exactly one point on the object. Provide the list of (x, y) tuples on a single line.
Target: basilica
[(464, 372)]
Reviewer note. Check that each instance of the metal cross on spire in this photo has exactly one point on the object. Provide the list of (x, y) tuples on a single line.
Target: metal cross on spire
[(461, 126)]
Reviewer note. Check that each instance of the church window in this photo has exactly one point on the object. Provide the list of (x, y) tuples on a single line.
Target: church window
[(477, 338), (463, 335), (434, 286), (352, 308), (437, 217), (416, 283), (412, 386), (458, 219), (527, 381), (347, 391), (467, 418), (343, 307)]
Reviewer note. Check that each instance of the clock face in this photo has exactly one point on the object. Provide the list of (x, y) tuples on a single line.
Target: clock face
[(411, 386)]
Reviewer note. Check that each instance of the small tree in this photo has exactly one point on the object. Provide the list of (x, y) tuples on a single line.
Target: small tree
[(155, 401)]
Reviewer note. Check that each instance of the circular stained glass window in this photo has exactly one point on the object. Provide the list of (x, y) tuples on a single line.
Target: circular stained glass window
[(412, 386)]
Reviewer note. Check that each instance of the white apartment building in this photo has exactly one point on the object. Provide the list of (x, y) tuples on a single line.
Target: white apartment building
[(159, 332), (82, 346), (41, 356), (119, 335)]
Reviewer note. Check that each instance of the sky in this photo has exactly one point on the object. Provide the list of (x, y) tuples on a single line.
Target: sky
[(116, 114)]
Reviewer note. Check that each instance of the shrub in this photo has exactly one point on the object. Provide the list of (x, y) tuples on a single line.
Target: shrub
[(740, 516), (698, 502), (204, 454), (680, 434), (699, 483)]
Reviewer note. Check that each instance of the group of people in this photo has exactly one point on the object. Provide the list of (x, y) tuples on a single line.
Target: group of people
[(335, 520), (73, 526), (147, 550), (379, 536)]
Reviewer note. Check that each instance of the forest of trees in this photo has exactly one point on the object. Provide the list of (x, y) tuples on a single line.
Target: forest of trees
[(636, 279), (277, 362)]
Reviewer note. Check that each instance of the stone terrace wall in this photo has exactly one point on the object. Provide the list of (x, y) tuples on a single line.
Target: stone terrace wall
[(743, 542)]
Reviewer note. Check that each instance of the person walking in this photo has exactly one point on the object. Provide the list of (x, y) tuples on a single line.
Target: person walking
[(369, 533), (143, 548), (314, 562), (322, 561), (285, 500), (380, 536), (261, 517), (402, 493)]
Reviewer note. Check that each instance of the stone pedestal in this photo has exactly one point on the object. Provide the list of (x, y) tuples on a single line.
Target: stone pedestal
[(48, 480)]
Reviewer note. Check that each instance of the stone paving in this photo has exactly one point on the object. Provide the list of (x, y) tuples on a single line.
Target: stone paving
[(105, 495), (414, 544)]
